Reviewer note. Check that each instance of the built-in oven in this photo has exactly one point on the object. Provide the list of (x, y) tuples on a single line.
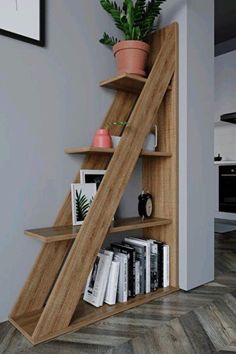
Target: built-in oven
[(227, 188)]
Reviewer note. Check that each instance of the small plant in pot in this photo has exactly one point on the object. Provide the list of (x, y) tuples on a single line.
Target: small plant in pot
[(103, 138), (136, 19)]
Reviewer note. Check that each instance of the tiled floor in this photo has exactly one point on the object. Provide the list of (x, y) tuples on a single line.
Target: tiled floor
[(201, 321)]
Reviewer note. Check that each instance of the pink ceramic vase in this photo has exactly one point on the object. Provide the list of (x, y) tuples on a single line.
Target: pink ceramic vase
[(102, 139), (131, 57)]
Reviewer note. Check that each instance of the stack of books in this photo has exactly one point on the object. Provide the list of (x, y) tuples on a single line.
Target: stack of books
[(132, 267)]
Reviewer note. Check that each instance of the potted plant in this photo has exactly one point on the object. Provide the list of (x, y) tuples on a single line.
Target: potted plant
[(103, 138), (136, 19)]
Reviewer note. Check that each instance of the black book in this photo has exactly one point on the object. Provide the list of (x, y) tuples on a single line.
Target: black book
[(130, 251), (160, 263)]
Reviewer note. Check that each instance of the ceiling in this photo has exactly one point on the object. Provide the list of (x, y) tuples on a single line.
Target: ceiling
[(225, 20)]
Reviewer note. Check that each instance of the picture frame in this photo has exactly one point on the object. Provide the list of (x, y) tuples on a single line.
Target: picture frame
[(23, 20), (92, 176), (82, 196)]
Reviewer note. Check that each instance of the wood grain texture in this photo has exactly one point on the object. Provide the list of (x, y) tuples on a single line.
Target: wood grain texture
[(93, 150), (160, 177), (128, 82), (86, 314), (68, 232), (125, 82), (48, 264), (70, 283)]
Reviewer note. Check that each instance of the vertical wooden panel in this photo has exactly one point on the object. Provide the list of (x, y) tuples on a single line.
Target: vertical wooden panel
[(160, 176)]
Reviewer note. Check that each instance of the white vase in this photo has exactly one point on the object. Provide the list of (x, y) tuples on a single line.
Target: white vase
[(150, 143)]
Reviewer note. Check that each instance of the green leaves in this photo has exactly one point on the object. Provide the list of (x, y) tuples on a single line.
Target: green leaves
[(82, 206), (106, 39), (135, 19)]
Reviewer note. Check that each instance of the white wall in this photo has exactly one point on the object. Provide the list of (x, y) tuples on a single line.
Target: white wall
[(225, 102), (50, 100)]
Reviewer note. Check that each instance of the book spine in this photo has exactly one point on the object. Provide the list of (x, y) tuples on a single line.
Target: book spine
[(131, 266), (125, 285), (160, 265), (108, 255), (166, 278), (111, 291), (148, 273), (137, 277), (154, 284)]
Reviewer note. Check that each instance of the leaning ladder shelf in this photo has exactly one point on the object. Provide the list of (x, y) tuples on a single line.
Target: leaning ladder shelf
[(50, 303)]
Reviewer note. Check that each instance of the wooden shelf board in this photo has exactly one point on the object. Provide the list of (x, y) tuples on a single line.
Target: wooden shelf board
[(90, 149), (85, 315), (126, 82), (62, 233)]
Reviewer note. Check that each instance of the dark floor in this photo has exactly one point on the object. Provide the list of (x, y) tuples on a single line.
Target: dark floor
[(201, 321)]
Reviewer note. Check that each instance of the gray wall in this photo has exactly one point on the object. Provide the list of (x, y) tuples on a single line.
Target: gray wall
[(49, 99), (196, 138), (200, 143)]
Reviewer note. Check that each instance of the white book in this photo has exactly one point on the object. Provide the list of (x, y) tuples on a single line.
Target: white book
[(106, 271), (147, 244), (123, 277), (166, 266), (93, 288), (112, 285), (137, 277)]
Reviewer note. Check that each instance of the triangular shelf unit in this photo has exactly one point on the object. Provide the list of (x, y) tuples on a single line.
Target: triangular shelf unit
[(50, 303)]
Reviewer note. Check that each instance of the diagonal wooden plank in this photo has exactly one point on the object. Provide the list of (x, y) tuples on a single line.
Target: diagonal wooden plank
[(65, 295), (51, 256)]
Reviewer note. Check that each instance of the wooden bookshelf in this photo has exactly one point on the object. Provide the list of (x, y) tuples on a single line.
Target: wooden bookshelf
[(50, 302), (93, 150), (62, 233)]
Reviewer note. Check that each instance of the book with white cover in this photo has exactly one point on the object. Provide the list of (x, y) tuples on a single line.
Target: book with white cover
[(112, 285), (146, 243), (123, 276), (105, 272), (137, 277), (93, 289), (166, 266)]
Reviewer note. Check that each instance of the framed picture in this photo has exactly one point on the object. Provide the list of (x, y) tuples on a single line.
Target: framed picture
[(92, 176), (82, 196), (23, 20)]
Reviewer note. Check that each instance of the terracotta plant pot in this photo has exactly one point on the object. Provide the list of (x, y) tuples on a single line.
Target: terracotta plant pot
[(131, 57), (102, 139)]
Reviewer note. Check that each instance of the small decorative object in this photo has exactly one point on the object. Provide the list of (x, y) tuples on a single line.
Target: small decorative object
[(24, 20), (136, 19), (115, 140), (92, 176), (218, 158), (82, 196), (151, 140), (145, 205), (102, 139)]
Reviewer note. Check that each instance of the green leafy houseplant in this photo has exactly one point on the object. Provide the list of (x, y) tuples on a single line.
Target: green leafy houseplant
[(136, 19)]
